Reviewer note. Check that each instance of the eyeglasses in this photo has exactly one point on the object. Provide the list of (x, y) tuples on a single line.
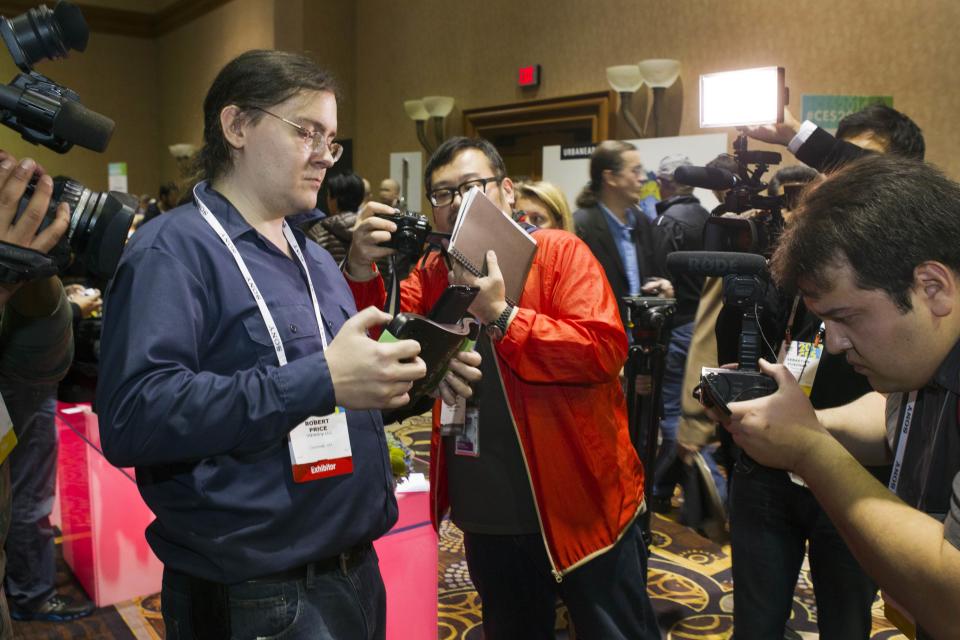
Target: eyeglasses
[(313, 140), (444, 197)]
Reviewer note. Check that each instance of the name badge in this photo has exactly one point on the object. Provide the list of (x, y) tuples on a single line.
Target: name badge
[(803, 359), (452, 417), (8, 437), (468, 442), (320, 447)]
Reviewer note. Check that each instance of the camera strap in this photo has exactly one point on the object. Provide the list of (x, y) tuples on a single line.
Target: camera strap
[(20, 264)]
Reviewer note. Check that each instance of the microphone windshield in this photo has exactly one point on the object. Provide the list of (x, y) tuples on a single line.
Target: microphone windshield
[(79, 125), (706, 177), (715, 263)]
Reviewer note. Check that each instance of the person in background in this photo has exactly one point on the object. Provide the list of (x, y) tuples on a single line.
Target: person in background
[(389, 192), (36, 347), (335, 231), (543, 205), (166, 200)]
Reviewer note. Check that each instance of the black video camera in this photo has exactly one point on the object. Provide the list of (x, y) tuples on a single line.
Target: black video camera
[(411, 234), (49, 114), (744, 192)]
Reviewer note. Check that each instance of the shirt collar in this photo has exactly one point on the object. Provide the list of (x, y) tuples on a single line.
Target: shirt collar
[(631, 218), (234, 224)]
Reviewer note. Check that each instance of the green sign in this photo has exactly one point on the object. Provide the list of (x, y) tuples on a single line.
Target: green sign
[(828, 111)]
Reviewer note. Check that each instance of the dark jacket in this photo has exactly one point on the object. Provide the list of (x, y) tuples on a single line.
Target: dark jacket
[(679, 227), (592, 227)]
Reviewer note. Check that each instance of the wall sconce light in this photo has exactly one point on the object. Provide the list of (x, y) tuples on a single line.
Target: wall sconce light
[(625, 80), (659, 73), (436, 108)]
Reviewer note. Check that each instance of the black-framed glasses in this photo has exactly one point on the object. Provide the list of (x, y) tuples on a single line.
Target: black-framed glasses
[(444, 197), (313, 140)]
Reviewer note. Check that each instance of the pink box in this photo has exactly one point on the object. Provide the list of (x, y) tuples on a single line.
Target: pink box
[(408, 562), (102, 515)]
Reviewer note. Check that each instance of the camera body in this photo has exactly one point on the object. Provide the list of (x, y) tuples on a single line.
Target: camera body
[(411, 234), (648, 317), (718, 387)]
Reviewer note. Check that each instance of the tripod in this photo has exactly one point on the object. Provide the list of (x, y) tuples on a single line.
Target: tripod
[(647, 319)]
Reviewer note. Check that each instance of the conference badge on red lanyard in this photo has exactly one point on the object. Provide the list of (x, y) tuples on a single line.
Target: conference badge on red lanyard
[(320, 447)]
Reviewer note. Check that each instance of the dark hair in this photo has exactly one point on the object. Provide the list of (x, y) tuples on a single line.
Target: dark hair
[(726, 162), (883, 215), (450, 148), (902, 135), (797, 173), (347, 190), (259, 78), (608, 155)]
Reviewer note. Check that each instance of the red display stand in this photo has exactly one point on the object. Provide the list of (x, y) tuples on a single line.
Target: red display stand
[(103, 519)]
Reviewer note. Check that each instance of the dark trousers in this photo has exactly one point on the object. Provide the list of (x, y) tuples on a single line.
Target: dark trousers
[(771, 521), (31, 555), (606, 597), (333, 605)]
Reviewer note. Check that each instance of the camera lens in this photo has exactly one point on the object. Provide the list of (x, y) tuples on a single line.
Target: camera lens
[(41, 33), (98, 228)]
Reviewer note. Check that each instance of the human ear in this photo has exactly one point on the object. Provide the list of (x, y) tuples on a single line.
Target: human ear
[(936, 285), (231, 123)]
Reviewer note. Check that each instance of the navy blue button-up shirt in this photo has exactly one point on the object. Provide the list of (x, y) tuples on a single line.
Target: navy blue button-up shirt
[(192, 395), (627, 245)]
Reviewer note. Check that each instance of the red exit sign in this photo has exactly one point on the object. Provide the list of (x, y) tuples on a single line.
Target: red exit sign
[(529, 76)]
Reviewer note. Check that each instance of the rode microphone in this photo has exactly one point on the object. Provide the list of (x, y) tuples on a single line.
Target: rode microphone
[(706, 177), (715, 263)]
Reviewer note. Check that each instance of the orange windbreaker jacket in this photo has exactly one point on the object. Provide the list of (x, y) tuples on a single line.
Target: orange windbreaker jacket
[(558, 365)]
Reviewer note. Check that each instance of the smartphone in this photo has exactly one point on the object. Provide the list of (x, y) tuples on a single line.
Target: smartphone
[(742, 98), (452, 304)]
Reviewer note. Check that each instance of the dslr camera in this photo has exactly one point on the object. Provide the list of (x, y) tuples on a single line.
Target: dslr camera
[(411, 234), (49, 114)]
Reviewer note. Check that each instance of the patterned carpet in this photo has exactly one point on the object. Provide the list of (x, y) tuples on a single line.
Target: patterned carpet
[(689, 583)]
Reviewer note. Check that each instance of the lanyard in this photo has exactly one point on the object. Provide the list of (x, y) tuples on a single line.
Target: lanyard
[(902, 443), (254, 290)]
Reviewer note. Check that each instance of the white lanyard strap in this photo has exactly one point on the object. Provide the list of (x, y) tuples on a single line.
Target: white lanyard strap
[(902, 442), (252, 285)]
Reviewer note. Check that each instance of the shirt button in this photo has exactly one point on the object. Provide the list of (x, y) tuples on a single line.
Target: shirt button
[(293, 328)]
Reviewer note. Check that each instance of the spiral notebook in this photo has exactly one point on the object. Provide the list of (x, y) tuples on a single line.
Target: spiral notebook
[(481, 226)]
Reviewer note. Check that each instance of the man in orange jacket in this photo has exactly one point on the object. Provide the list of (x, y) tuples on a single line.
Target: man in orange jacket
[(548, 487)]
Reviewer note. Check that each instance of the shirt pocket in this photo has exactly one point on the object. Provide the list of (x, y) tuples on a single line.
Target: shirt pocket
[(296, 324)]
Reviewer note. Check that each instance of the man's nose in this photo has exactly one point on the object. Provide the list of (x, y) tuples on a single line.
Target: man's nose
[(836, 341)]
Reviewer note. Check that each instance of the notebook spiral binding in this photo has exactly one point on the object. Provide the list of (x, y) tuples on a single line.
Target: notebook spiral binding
[(462, 259)]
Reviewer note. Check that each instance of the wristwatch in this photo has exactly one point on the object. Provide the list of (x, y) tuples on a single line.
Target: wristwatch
[(498, 328)]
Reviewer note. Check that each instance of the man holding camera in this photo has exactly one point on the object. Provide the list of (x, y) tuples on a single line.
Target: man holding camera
[(549, 493), (35, 351), (896, 317)]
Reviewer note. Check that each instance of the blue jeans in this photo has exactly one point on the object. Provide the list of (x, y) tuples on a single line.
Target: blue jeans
[(329, 606), (667, 468), (606, 597), (771, 520), (31, 556)]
